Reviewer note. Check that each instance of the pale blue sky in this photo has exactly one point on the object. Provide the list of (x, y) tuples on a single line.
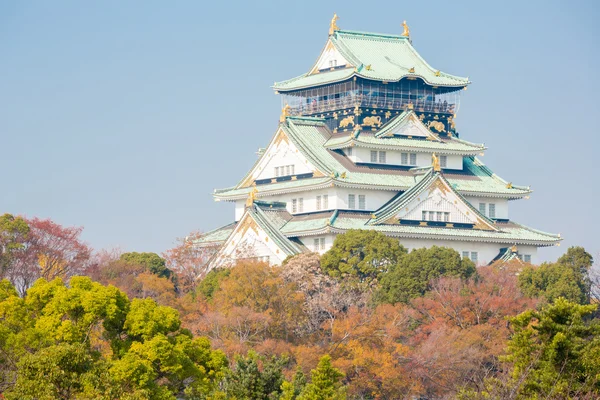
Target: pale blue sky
[(123, 116)]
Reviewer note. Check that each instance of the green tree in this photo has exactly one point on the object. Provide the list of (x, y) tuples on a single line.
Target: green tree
[(555, 351), (361, 254), (411, 276), (90, 341), (13, 233), (568, 277), (210, 284), (151, 261), (249, 381), (325, 383)]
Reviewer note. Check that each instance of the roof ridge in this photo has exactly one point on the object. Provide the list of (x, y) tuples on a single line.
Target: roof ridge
[(373, 34)]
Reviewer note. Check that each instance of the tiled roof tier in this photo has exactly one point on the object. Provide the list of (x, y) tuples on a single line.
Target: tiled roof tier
[(215, 237), (340, 221), (389, 58), (392, 207), (310, 136)]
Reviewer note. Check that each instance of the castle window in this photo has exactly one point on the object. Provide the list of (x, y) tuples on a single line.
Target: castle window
[(432, 215), (446, 217), (292, 168), (474, 256), (413, 159), (492, 210), (276, 171), (316, 245), (349, 151), (325, 202), (482, 208), (443, 161), (373, 156), (362, 202), (404, 159), (288, 170), (527, 258), (465, 255), (300, 204), (382, 157), (424, 215), (351, 201), (318, 202), (322, 240), (294, 205), (439, 216)]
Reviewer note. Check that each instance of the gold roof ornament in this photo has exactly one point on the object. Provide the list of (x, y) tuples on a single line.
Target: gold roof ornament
[(513, 248), (509, 185), (251, 197), (368, 67), (406, 31), (285, 112), (333, 25), (437, 73), (412, 70), (435, 163)]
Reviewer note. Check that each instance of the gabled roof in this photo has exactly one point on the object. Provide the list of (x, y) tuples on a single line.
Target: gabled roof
[(377, 57), (431, 180), (263, 218), (408, 120), (310, 136), (394, 135), (506, 255)]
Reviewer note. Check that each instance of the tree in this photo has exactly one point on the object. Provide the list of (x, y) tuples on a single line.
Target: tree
[(89, 341), (210, 283), (325, 383), (188, 261), (249, 381), (363, 255), (325, 297), (13, 234), (59, 250), (568, 277), (410, 277), (554, 352), (152, 262), (254, 295)]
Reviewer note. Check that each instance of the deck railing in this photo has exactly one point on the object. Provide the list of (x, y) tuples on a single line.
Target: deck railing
[(321, 106)]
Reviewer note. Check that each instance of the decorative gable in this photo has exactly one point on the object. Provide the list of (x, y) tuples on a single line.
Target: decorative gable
[(281, 158), (330, 58), (248, 241), (409, 126), (434, 201)]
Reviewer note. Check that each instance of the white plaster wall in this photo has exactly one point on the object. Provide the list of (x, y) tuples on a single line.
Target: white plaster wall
[(309, 242), (251, 245), (282, 155), (486, 251), (374, 198), (338, 199), (501, 205), (330, 54), (240, 206), (363, 155)]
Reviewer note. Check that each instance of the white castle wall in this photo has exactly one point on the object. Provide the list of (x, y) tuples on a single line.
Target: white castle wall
[(363, 155)]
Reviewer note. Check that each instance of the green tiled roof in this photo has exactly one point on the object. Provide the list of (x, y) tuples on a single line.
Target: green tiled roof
[(216, 236), (272, 188), (508, 233), (450, 145), (271, 221), (390, 57), (392, 207), (310, 136)]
